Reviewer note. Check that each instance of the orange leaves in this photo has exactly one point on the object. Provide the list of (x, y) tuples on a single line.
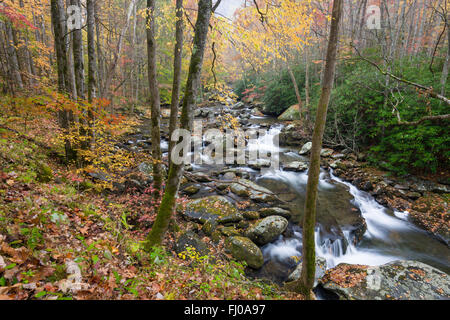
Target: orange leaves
[(346, 275)]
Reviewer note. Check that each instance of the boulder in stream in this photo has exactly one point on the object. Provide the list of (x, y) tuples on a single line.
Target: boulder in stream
[(297, 166), (292, 113), (306, 148), (267, 229), (275, 211), (397, 280), (321, 267), (247, 188), (243, 249)]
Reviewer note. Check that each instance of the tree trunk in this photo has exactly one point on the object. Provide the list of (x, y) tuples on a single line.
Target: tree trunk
[(307, 83), (178, 55), (13, 56), (154, 99), (446, 65), (306, 281), (92, 66), (175, 172), (297, 91), (58, 22), (78, 62)]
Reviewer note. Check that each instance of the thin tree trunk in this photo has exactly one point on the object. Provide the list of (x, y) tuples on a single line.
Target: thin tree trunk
[(306, 281), (176, 171), (154, 99), (13, 56), (446, 65), (58, 22), (307, 102), (297, 91), (92, 66), (177, 61), (78, 62)]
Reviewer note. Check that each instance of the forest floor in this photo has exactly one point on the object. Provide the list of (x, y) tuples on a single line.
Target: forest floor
[(61, 238)]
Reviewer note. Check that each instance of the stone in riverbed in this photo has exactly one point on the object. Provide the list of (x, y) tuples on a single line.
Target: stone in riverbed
[(201, 177), (243, 249), (259, 163), (267, 230), (266, 212), (326, 152), (321, 267), (229, 176), (397, 280), (215, 208), (306, 148), (292, 113), (296, 166), (190, 190), (247, 188), (251, 215)]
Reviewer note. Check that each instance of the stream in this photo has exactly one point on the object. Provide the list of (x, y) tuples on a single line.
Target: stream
[(387, 235)]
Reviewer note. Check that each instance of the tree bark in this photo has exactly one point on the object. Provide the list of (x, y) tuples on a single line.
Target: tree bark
[(78, 62), (306, 281), (177, 61), (175, 172), (92, 65), (446, 64), (154, 99), (297, 91), (58, 22)]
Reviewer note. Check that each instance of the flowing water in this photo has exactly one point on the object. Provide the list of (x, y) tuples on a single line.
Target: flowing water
[(389, 235)]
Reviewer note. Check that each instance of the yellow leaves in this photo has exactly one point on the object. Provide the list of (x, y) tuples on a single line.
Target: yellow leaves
[(286, 29)]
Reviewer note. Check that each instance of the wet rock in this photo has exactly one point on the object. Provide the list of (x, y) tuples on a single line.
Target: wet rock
[(243, 249), (291, 137), (321, 267), (229, 231), (266, 212), (251, 215), (238, 105), (267, 229), (191, 239), (338, 156), (209, 227), (297, 166), (259, 163), (215, 208), (292, 113), (201, 177), (413, 195), (247, 188), (366, 186), (397, 280), (306, 148), (229, 176), (401, 187), (326, 152), (191, 190)]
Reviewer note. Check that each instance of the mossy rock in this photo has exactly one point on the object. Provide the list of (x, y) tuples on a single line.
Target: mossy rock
[(292, 113), (44, 172), (191, 239), (214, 208), (267, 229), (243, 249), (251, 215), (275, 211)]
